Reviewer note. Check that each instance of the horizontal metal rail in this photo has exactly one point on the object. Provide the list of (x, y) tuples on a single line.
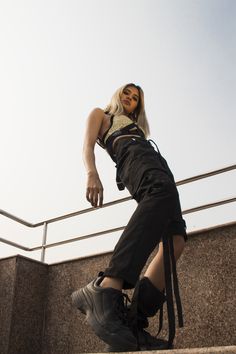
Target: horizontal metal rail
[(108, 231), (66, 216), (14, 244), (45, 223), (209, 205), (206, 175)]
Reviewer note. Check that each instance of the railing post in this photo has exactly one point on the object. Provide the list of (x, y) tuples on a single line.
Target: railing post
[(45, 227)]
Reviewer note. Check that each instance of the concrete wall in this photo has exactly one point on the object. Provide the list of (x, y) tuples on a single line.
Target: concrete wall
[(23, 291), (37, 316), (207, 284), (7, 287)]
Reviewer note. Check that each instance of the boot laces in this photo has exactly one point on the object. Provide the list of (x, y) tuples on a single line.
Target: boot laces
[(122, 307)]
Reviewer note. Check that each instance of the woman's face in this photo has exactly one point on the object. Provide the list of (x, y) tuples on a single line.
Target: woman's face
[(129, 98)]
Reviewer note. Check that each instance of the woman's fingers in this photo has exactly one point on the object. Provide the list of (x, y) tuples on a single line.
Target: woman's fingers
[(101, 197), (97, 197), (94, 192), (88, 194), (93, 195)]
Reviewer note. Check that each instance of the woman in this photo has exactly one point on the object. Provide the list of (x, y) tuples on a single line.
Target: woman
[(122, 129)]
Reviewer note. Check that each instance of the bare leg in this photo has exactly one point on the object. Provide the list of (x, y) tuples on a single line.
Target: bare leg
[(155, 271), (114, 283)]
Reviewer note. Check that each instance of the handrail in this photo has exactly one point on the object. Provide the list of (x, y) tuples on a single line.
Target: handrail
[(209, 205), (120, 228), (17, 245), (87, 210), (108, 231), (207, 174), (62, 217), (100, 233), (45, 223)]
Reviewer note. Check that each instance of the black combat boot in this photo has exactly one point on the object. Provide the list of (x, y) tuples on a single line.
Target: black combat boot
[(147, 298), (146, 302), (106, 314)]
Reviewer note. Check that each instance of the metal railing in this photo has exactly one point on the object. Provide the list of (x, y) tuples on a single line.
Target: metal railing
[(45, 223)]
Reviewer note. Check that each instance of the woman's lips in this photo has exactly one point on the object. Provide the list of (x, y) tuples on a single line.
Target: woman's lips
[(126, 102)]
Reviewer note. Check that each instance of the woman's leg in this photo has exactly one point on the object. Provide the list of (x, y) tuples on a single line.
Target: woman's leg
[(115, 283), (148, 224), (155, 270)]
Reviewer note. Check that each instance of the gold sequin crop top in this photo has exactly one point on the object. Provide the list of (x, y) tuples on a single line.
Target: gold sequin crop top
[(119, 125)]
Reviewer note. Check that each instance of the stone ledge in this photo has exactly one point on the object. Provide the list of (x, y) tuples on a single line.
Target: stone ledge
[(211, 350)]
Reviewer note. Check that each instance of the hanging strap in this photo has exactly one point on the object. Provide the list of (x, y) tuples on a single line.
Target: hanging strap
[(169, 261), (157, 149), (119, 183), (160, 320), (176, 284)]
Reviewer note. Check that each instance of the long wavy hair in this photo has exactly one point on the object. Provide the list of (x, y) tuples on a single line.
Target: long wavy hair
[(138, 115)]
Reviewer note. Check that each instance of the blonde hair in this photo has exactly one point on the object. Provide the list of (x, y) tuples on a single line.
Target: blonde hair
[(139, 115)]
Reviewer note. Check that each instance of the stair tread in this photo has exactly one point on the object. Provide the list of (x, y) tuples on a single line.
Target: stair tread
[(206, 350)]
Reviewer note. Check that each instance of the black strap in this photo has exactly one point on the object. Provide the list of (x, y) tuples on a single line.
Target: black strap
[(130, 129), (150, 140), (168, 283), (133, 319), (160, 320), (176, 285), (169, 260), (119, 183)]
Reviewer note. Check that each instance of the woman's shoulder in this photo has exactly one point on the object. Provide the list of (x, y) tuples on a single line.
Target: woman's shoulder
[(96, 115), (100, 113), (97, 111)]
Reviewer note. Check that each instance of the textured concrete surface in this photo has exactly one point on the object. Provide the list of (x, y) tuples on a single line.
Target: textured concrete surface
[(207, 285), (212, 350), (37, 316), (25, 303), (65, 329), (7, 282), (207, 273)]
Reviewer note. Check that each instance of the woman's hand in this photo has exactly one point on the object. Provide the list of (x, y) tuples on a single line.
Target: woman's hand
[(94, 192)]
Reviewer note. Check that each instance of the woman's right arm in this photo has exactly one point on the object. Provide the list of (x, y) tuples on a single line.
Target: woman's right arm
[(94, 191)]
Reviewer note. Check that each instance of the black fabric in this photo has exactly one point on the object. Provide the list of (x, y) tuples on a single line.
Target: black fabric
[(146, 175), (149, 299), (134, 157), (146, 302), (131, 129)]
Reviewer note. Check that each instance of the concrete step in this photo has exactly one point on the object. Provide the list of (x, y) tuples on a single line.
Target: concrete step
[(211, 350)]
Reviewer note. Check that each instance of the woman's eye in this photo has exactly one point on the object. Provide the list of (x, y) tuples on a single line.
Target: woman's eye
[(127, 93)]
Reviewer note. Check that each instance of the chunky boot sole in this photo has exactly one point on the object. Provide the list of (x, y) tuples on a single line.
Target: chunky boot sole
[(81, 300), (110, 349), (162, 346)]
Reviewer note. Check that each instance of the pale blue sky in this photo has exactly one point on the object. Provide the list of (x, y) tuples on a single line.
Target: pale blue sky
[(59, 60)]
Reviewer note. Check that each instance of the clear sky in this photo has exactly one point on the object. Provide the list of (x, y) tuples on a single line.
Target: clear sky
[(60, 59)]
